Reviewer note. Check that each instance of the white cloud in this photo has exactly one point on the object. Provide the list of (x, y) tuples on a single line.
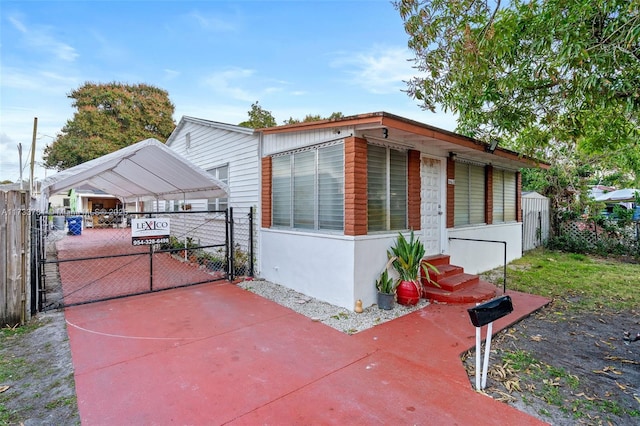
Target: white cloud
[(41, 81), (229, 83), (108, 49), (380, 70), (170, 74), (212, 23), (18, 24), (41, 39)]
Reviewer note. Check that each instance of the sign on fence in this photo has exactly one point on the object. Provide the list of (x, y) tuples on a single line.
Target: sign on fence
[(149, 231)]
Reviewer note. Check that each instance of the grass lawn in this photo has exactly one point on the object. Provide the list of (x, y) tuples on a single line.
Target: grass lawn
[(576, 281)]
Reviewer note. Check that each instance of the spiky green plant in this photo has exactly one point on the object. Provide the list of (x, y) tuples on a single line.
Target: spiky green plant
[(385, 283), (408, 255), (407, 258)]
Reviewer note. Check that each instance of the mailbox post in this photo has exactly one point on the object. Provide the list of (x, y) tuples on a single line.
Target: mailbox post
[(485, 314)]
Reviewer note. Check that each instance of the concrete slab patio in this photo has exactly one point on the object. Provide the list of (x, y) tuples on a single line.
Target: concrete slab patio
[(217, 354)]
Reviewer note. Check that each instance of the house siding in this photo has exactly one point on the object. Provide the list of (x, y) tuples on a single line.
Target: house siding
[(213, 145), (282, 142)]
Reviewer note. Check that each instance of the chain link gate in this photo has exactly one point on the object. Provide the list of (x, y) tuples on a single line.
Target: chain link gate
[(84, 258)]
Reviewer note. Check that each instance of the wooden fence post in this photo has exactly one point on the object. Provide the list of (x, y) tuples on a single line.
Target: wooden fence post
[(14, 257)]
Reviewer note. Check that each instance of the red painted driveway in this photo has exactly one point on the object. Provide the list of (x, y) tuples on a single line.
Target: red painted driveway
[(217, 354)]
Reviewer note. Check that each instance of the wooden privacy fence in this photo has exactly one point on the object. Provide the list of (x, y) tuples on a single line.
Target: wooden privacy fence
[(15, 288), (535, 220)]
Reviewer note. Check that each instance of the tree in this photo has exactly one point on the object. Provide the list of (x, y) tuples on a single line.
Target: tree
[(110, 117), (314, 117), (533, 72), (259, 118)]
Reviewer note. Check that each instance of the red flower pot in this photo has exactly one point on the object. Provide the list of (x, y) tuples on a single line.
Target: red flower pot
[(408, 293)]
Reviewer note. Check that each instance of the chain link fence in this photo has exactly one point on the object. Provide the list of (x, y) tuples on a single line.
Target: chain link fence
[(92, 257)]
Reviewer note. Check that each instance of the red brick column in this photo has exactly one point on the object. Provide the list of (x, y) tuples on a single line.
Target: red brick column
[(488, 190), (355, 186), (267, 178), (519, 197), (451, 192), (413, 189)]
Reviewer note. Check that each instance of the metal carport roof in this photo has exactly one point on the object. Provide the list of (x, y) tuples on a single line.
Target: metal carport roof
[(147, 170)]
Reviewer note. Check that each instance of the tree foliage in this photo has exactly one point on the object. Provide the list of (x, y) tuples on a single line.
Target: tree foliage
[(259, 118), (533, 72), (314, 117), (110, 117)]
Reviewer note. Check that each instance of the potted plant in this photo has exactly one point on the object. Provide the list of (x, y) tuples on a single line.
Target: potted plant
[(406, 258), (386, 289)]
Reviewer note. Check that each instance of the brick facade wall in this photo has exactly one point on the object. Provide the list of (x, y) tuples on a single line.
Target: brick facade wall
[(413, 189), (355, 186), (519, 197), (488, 198), (266, 191), (451, 192)]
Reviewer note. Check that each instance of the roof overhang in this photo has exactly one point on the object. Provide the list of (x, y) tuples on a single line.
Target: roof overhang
[(147, 170), (405, 131)]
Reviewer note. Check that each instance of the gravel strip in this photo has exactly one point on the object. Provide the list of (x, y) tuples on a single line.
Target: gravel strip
[(341, 319)]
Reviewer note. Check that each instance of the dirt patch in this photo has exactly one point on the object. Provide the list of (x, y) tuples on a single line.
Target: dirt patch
[(35, 365), (568, 368)]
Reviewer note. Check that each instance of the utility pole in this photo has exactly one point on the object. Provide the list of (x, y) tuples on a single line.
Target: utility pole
[(20, 159), (33, 154)]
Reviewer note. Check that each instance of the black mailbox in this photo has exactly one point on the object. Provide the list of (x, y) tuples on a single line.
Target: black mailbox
[(490, 311)]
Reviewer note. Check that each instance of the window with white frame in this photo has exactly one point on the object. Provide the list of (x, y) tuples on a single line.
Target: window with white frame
[(469, 194), (386, 189), (504, 196), (222, 174), (308, 189)]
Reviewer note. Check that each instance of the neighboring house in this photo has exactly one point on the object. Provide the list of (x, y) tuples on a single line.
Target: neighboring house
[(230, 154), (334, 194)]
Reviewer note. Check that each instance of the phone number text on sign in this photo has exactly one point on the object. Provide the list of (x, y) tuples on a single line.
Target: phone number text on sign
[(149, 241), (148, 231)]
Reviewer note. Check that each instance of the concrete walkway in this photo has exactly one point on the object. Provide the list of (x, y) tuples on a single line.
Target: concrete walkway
[(216, 354)]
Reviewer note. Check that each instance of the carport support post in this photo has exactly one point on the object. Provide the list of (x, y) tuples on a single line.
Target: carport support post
[(151, 267), (230, 252)]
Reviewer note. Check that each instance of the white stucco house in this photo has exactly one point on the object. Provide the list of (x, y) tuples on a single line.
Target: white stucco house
[(332, 195)]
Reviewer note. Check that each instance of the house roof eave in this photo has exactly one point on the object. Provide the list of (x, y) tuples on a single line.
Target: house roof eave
[(207, 123), (394, 122)]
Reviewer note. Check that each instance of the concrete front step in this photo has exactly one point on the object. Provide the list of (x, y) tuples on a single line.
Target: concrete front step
[(438, 260), (453, 284), (444, 271), (456, 282), (479, 292)]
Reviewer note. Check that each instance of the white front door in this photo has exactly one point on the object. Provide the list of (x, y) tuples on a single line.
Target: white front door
[(431, 204)]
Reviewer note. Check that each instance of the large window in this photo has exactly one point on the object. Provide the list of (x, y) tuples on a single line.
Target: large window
[(386, 189), (308, 189), (504, 196), (470, 194), (222, 174)]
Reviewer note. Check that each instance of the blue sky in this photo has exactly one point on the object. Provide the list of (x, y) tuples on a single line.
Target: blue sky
[(214, 58)]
